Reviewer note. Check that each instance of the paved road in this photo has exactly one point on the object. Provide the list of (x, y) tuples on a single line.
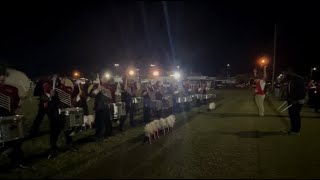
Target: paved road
[(230, 142)]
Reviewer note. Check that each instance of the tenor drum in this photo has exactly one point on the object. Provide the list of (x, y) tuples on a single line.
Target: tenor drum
[(11, 128), (73, 117)]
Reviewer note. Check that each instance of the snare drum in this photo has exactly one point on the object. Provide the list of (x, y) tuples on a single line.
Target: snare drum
[(11, 128), (73, 117)]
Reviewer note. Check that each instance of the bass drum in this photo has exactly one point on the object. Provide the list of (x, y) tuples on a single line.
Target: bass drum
[(19, 80)]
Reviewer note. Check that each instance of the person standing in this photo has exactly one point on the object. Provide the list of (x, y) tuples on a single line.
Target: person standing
[(102, 114), (260, 94), (317, 98), (296, 94), (146, 106)]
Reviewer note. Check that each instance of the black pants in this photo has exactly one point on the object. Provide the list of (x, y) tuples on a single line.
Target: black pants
[(103, 124), (129, 111), (16, 154), (294, 113), (57, 123), (146, 114), (42, 111)]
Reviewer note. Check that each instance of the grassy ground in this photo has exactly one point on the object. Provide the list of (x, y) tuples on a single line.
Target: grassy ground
[(68, 163)]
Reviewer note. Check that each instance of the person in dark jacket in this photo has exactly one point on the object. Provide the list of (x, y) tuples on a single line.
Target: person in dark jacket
[(296, 94)]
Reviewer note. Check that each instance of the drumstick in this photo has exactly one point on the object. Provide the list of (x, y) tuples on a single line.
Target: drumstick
[(281, 105), (98, 78), (286, 108), (54, 82)]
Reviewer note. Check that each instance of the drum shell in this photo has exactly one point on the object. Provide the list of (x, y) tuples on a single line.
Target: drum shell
[(11, 128), (73, 117)]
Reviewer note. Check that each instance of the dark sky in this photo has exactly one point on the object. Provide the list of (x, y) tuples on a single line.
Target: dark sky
[(59, 36)]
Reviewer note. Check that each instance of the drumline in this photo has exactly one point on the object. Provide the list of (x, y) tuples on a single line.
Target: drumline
[(11, 127)]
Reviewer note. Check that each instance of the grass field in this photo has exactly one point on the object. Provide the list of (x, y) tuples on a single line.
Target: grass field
[(68, 163)]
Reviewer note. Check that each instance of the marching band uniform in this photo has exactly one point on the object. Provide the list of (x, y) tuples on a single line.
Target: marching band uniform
[(43, 91), (102, 115), (16, 154), (204, 92), (260, 92), (175, 105), (126, 98), (108, 90), (158, 97), (133, 87), (57, 120), (186, 87), (82, 101), (146, 106), (198, 91)]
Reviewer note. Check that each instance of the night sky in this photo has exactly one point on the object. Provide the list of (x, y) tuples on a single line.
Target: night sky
[(43, 37)]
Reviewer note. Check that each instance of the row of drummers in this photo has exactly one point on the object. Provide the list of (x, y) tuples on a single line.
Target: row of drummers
[(65, 103)]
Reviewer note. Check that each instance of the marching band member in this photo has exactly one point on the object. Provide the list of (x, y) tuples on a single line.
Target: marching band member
[(187, 92), (80, 97), (146, 106), (103, 124), (260, 90), (158, 97), (133, 88), (204, 91), (198, 90), (107, 89), (175, 90), (16, 155), (42, 90), (126, 98), (57, 121)]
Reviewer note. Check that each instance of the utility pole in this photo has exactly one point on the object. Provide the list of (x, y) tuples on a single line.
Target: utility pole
[(274, 55)]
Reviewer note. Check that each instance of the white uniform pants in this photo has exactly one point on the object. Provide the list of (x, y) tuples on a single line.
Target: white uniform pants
[(259, 101)]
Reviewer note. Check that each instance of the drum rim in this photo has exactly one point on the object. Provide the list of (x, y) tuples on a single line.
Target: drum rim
[(11, 117), (71, 109)]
